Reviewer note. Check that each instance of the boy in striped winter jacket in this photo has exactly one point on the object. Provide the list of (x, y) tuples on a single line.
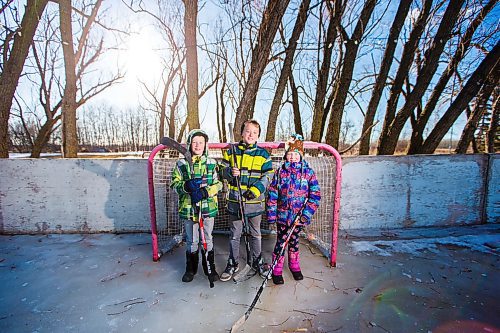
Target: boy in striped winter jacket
[(293, 183), (254, 168), (197, 189)]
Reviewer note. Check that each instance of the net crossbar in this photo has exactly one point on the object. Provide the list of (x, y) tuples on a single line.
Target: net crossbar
[(167, 231)]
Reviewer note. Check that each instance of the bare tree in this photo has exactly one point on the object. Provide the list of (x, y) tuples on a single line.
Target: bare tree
[(297, 121), (342, 87), (461, 50), (13, 62), (397, 24), (478, 110), (190, 22), (286, 70), (388, 142), (44, 70), (403, 69), (69, 131), (468, 92), (166, 98), (492, 134), (270, 20), (319, 109), (220, 102)]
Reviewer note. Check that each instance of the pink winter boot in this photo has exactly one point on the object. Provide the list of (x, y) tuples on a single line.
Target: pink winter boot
[(294, 265), (278, 270)]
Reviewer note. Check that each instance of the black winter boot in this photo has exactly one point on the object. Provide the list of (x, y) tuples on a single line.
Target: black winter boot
[(196, 260), (191, 266)]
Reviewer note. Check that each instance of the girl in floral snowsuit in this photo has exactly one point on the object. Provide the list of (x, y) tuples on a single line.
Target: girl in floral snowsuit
[(293, 183)]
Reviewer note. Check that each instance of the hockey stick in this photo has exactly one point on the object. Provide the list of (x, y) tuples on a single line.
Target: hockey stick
[(171, 143), (244, 220), (205, 263), (244, 318)]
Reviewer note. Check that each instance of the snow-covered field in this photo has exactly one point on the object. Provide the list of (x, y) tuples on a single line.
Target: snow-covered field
[(130, 154)]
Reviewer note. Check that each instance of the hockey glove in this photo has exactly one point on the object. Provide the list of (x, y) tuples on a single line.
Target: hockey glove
[(192, 185), (198, 195), (303, 220)]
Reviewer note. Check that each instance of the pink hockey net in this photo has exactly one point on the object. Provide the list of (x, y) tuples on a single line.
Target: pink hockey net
[(167, 231)]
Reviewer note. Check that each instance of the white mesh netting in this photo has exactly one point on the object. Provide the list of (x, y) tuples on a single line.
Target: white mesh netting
[(169, 230)]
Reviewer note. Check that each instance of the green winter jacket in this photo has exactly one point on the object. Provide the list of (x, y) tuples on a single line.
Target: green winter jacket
[(205, 168)]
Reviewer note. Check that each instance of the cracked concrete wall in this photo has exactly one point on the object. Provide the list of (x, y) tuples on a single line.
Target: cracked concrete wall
[(111, 195), (420, 190), (73, 195)]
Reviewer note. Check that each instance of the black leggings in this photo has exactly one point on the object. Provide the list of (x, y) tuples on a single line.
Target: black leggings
[(293, 243)]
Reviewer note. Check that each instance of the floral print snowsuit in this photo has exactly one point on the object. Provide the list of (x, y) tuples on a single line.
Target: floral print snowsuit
[(293, 182)]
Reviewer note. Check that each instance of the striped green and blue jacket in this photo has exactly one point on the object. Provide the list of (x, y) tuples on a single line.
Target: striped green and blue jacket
[(205, 168), (256, 170)]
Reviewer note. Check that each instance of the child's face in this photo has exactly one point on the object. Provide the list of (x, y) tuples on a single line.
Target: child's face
[(292, 156), (250, 134), (198, 145)]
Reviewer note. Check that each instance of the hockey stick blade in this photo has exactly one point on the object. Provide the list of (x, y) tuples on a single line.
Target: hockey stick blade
[(241, 275), (171, 143), (238, 323)]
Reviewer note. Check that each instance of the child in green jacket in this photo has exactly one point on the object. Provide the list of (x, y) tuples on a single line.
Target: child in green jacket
[(197, 189)]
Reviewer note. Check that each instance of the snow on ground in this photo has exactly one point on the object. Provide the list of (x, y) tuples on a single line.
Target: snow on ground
[(130, 154), (481, 243)]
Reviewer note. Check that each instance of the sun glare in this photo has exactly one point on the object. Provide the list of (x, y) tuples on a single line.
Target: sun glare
[(141, 61)]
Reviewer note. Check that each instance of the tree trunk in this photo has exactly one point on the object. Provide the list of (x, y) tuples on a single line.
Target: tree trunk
[(319, 111), (431, 62), (402, 73), (418, 130), (297, 121), (286, 70), (471, 88), (270, 21), (166, 88), (397, 24), (478, 111), (13, 67), (190, 21), (43, 137), (70, 137), (341, 89), (492, 134), (173, 108), (222, 104)]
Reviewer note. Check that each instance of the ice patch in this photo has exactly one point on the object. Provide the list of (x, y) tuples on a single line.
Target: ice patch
[(479, 243)]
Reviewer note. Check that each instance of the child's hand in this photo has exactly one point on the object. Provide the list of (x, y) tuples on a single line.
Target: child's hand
[(302, 220), (249, 195), (192, 185), (235, 172), (198, 195)]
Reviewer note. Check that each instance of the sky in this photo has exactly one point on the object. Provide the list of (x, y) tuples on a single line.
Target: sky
[(139, 58)]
